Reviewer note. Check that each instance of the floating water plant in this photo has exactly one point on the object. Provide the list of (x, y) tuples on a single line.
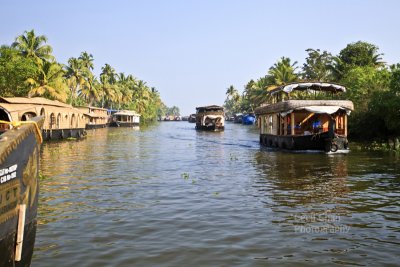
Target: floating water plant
[(185, 175)]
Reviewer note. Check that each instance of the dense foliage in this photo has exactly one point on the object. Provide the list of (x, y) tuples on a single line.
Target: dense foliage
[(373, 87), (28, 68)]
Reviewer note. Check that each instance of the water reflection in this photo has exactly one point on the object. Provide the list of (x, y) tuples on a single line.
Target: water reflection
[(298, 179)]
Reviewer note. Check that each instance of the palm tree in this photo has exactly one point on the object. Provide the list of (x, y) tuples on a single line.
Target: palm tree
[(33, 46), (109, 73), (87, 60), (283, 71), (231, 91), (77, 73), (141, 96), (89, 90), (49, 82)]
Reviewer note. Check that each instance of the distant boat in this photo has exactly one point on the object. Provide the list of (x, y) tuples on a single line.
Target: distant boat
[(307, 124), (19, 189), (210, 118), (125, 118), (238, 118), (248, 119), (192, 118)]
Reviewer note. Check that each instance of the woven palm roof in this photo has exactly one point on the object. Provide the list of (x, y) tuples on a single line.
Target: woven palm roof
[(302, 86), (33, 100), (296, 104)]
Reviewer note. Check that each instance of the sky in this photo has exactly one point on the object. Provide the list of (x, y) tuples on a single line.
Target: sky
[(191, 51)]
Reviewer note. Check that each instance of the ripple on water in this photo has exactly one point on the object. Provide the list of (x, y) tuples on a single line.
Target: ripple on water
[(168, 195)]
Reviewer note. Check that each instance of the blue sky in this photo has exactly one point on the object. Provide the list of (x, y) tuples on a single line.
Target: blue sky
[(192, 50)]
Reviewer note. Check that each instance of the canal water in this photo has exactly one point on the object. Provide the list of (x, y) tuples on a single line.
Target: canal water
[(168, 195)]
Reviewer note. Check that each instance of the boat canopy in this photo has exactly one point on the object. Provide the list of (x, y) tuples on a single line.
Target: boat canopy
[(318, 110), (213, 117), (316, 86), (288, 106), (126, 113), (209, 108)]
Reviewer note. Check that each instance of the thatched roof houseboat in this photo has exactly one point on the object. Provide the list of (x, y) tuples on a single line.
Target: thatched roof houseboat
[(95, 117), (305, 124), (210, 118), (60, 120)]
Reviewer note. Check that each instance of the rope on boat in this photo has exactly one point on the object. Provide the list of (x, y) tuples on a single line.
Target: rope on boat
[(17, 124)]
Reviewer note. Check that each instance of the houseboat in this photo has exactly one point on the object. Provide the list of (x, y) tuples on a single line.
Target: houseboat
[(210, 118), (305, 116), (60, 120), (125, 118), (95, 117), (192, 118), (19, 186)]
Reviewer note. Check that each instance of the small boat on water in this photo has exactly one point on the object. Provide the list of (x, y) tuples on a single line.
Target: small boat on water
[(210, 118), (248, 119), (192, 118), (19, 186), (125, 118), (307, 123)]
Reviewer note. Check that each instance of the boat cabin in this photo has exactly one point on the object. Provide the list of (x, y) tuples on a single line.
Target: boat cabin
[(95, 117), (299, 118), (125, 118), (210, 118)]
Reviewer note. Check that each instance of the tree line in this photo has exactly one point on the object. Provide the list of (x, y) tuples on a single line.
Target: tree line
[(28, 68), (372, 85)]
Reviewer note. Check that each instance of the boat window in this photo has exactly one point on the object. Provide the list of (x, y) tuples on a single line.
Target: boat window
[(4, 117), (72, 120), (52, 121), (58, 120), (27, 116)]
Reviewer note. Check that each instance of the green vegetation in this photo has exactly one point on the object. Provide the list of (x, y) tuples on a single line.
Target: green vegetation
[(372, 85), (28, 68)]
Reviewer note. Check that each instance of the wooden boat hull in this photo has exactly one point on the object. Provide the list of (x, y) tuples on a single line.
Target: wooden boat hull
[(212, 128), (58, 134), (320, 142), (123, 124), (19, 187), (95, 126)]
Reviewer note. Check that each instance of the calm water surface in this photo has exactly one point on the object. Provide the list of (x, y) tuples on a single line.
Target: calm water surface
[(168, 195)]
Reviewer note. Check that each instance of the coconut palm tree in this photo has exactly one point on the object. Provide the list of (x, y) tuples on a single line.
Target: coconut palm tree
[(33, 46), (77, 73), (87, 60), (49, 83), (89, 90), (109, 74), (283, 71)]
